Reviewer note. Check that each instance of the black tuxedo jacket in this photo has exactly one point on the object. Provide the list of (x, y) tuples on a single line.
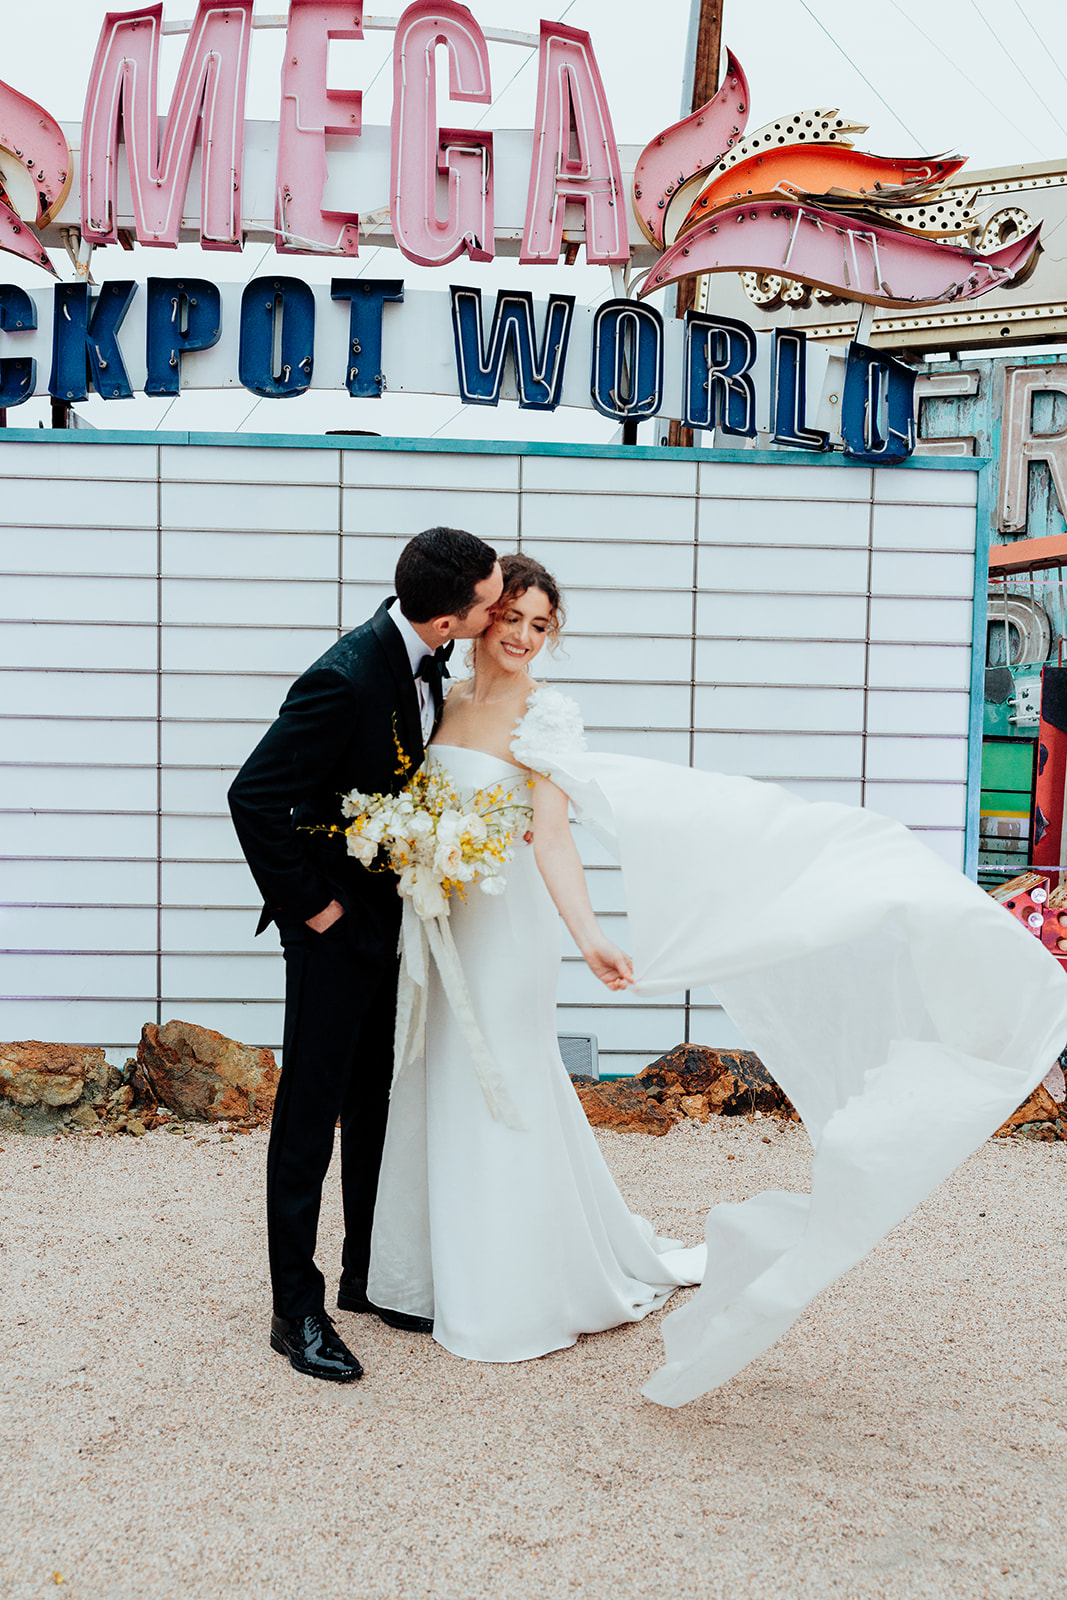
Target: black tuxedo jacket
[(342, 726)]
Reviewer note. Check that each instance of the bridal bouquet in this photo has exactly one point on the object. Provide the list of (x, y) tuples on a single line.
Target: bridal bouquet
[(435, 843)]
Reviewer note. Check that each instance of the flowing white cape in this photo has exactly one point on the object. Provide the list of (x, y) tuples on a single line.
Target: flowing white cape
[(904, 1012)]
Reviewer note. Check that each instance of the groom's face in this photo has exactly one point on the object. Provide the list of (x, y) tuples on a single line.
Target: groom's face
[(486, 595)]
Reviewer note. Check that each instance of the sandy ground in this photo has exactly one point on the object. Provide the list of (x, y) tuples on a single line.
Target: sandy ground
[(906, 1439)]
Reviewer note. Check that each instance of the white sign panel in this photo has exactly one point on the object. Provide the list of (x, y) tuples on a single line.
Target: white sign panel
[(798, 621)]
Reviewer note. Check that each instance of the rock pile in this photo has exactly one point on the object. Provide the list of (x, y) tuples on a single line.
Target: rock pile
[(44, 1087), (689, 1081), (696, 1082), (622, 1103), (1043, 1116), (181, 1071)]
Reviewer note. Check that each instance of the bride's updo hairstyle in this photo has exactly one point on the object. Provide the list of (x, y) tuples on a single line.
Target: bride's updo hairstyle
[(521, 572)]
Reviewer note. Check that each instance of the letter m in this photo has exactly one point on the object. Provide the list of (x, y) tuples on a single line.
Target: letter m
[(209, 95)]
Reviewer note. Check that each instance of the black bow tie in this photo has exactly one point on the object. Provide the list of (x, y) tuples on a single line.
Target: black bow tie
[(435, 666)]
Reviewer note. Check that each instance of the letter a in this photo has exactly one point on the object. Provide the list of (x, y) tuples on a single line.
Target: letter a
[(573, 115)]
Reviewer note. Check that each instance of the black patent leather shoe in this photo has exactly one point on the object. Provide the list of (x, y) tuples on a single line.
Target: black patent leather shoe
[(352, 1296), (313, 1346)]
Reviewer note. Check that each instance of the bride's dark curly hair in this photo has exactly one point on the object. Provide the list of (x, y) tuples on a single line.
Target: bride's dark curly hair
[(521, 572)]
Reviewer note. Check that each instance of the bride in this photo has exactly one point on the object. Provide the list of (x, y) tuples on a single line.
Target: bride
[(904, 1013), (513, 1238)]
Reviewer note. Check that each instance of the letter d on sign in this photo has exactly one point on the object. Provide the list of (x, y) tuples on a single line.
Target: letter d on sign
[(877, 407)]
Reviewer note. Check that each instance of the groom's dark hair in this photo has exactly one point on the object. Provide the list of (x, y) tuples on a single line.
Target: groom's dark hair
[(438, 572)]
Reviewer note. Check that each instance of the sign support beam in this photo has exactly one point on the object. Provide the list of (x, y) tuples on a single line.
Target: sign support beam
[(705, 50)]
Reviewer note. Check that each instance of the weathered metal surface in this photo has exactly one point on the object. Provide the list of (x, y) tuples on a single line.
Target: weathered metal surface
[(1016, 313), (35, 173), (1028, 555), (876, 265), (32, 138), (963, 407), (829, 171), (1021, 443), (691, 146), (19, 240)]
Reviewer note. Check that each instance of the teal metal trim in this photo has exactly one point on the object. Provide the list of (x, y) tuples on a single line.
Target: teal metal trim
[(482, 447), (983, 533)]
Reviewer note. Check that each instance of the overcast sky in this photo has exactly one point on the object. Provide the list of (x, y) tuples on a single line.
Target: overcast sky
[(986, 78)]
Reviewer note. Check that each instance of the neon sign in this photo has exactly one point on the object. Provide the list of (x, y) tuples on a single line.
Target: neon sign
[(792, 201), (276, 331)]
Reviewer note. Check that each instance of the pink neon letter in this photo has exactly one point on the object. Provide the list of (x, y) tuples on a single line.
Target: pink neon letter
[(309, 111), (210, 90), (421, 150), (570, 96)]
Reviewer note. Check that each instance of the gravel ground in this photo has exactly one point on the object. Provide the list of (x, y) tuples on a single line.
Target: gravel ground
[(906, 1438)]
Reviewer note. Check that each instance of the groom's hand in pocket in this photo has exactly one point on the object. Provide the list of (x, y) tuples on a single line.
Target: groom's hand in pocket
[(327, 917)]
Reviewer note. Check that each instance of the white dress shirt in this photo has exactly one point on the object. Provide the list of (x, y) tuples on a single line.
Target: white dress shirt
[(417, 652)]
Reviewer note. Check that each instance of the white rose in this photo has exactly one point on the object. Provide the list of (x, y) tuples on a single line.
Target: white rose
[(474, 826), (448, 858), (449, 826), (466, 872), (493, 885), (363, 849), (419, 826), (428, 898)]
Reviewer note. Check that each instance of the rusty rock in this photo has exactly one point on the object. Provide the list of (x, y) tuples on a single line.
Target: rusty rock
[(205, 1077), (35, 1076), (731, 1082), (695, 1106), (1039, 1107), (622, 1103)]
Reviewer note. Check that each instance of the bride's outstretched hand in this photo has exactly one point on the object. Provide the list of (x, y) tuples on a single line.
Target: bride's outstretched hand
[(610, 964)]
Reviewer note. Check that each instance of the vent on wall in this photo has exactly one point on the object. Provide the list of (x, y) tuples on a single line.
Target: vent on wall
[(579, 1052)]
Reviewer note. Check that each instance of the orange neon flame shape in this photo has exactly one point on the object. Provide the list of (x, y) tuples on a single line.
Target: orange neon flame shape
[(797, 200), (830, 172)]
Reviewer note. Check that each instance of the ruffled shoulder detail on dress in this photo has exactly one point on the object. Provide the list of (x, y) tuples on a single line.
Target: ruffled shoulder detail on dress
[(550, 728)]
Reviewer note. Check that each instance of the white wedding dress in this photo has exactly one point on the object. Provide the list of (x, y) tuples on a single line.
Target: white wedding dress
[(513, 1238), (903, 1011)]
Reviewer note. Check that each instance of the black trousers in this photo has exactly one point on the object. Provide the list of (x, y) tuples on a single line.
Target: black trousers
[(337, 1061)]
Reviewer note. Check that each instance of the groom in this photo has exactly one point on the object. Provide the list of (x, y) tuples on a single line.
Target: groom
[(358, 718)]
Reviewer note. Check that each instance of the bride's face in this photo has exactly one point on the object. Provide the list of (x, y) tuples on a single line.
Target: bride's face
[(518, 631)]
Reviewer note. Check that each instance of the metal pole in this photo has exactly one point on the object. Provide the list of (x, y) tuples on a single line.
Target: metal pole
[(702, 81)]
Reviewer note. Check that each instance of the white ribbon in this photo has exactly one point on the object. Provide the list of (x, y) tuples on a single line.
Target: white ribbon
[(419, 939)]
